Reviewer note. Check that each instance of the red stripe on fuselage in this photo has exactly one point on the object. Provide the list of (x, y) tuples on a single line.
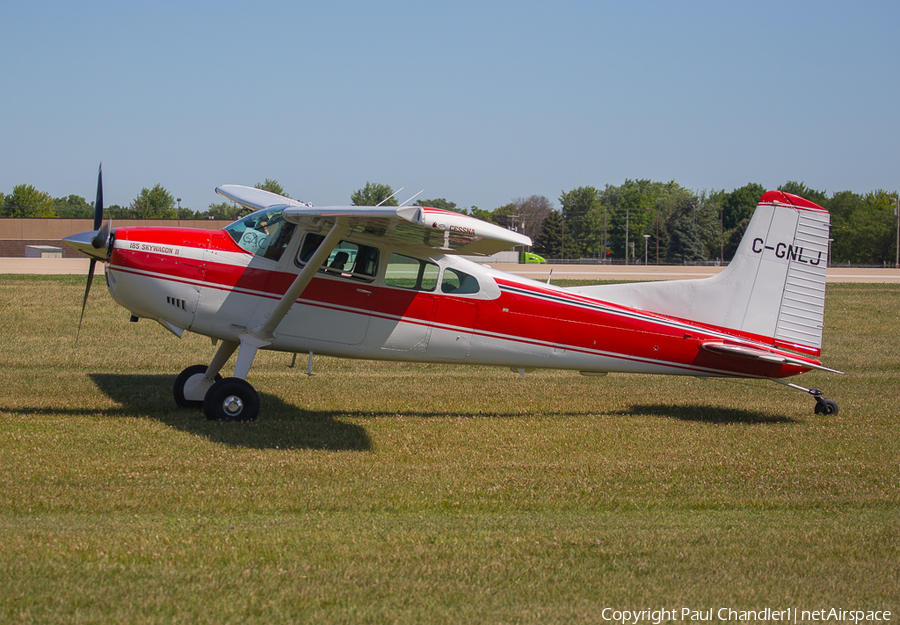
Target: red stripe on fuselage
[(527, 314)]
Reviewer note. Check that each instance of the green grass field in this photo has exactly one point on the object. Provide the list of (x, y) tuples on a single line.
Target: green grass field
[(379, 492)]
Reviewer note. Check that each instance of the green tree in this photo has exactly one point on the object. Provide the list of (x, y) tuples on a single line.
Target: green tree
[(548, 242), (684, 241), (480, 213), (737, 209), (842, 206), (373, 194), (740, 204), (582, 222), (272, 186), (73, 207), (117, 212), (505, 216), (222, 210), (798, 188), (644, 206), (443, 204), (155, 203), (526, 215), (26, 201), (685, 244), (870, 231), (733, 238)]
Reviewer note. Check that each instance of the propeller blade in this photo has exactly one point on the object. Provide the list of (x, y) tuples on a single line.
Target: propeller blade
[(97, 242), (98, 204), (87, 291)]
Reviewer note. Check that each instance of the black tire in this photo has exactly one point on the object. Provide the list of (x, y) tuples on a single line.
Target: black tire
[(182, 379), (231, 399), (826, 407)]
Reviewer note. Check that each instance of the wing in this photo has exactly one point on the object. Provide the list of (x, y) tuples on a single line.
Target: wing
[(428, 229), (255, 199)]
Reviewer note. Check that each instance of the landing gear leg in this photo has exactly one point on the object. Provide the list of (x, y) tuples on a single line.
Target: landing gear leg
[(234, 399), (193, 383), (824, 406)]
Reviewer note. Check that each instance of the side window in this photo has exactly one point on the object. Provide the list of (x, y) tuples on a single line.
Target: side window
[(348, 259), (458, 283), (411, 273), (280, 233)]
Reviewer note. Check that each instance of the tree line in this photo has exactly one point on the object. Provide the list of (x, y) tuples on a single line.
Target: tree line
[(662, 221), (153, 203)]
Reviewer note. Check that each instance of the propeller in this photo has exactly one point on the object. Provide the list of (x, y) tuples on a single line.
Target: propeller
[(98, 241)]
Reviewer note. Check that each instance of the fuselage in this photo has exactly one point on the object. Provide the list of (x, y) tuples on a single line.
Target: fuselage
[(390, 303)]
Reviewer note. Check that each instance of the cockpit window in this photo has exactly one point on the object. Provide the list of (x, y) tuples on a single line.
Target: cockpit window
[(347, 259), (264, 233)]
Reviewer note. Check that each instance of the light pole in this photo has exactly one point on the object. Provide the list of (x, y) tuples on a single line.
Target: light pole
[(897, 213), (646, 245), (627, 210), (178, 199)]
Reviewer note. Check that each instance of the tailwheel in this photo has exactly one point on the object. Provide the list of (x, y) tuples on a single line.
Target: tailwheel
[(231, 399), (825, 406), (189, 388)]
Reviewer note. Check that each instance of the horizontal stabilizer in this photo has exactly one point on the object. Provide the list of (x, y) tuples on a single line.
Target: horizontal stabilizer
[(753, 353)]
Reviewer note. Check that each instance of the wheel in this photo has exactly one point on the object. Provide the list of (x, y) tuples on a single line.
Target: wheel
[(183, 380), (826, 406), (231, 399)]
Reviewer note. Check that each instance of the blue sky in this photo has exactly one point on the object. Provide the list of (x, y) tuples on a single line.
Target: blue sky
[(477, 102)]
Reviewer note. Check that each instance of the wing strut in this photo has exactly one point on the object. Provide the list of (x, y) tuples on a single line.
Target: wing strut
[(261, 336)]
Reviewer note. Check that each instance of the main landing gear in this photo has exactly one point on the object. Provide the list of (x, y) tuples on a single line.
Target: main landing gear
[(824, 406), (222, 399), (231, 399)]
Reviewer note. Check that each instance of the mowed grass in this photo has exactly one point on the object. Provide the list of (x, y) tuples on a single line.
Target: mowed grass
[(391, 492)]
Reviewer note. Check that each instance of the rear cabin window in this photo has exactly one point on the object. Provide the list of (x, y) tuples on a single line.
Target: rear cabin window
[(458, 283), (263, 233), (411, 273), (347, 259)]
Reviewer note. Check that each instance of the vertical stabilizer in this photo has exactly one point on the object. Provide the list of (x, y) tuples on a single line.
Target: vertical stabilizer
[(773, 290)]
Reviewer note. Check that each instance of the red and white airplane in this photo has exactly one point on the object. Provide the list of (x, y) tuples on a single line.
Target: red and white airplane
[(389, 283)]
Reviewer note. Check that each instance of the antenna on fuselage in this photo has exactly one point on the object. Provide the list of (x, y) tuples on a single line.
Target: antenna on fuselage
[(413, 197), (390, 196)]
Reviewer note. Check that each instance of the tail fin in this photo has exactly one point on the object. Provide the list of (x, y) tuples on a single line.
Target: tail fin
[(773, 290)]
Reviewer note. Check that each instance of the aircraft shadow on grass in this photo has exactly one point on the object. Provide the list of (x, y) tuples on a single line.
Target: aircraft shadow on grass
[(281, 426), (707, 414)]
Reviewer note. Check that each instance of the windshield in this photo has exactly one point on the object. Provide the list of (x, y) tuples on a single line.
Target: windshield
[(264, 233)]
